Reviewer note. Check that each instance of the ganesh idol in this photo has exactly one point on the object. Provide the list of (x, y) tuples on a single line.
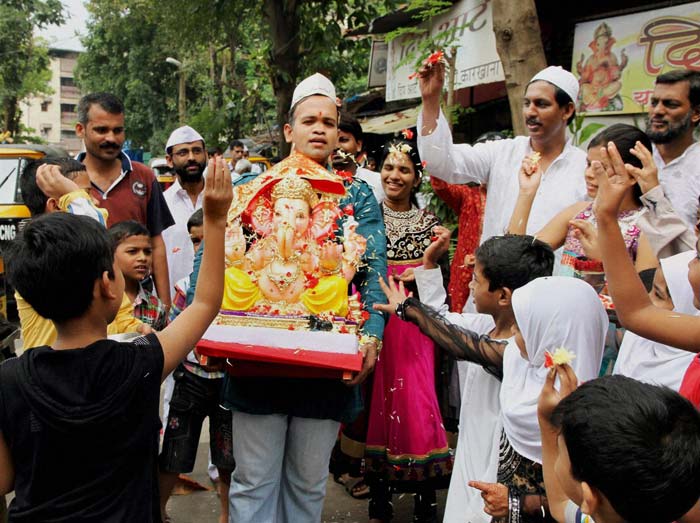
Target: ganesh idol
[(298, 262)]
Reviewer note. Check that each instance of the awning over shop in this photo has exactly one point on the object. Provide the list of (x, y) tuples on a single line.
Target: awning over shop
[(392, 122)]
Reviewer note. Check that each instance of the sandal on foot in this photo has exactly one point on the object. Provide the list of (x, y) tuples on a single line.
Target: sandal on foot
[(342, 479), (358, 489)]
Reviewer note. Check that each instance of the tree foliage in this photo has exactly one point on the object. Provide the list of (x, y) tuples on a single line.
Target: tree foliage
[(241, 60), (24, 59)]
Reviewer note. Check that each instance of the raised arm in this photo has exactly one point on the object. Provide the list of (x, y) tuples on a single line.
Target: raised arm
[(178, 338), (461, 343), (666, 231), (633, 306), (529, 178), (454, 163), (549, 399)]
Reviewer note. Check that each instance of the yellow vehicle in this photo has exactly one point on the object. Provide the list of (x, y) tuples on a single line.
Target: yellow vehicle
[(164, 173), (260, 163), (12, 211)]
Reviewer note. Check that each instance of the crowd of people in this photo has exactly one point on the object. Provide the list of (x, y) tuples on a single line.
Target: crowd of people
[(547, 372)]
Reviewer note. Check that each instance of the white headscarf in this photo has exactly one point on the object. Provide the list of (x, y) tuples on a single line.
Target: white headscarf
[(653, 362), (550, 312)]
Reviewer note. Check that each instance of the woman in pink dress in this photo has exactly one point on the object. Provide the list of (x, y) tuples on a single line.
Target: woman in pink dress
[(407, 447)]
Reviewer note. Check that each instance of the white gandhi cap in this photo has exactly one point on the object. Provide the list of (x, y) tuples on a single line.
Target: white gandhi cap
[(314, 84), (184, 134), (560, 77)]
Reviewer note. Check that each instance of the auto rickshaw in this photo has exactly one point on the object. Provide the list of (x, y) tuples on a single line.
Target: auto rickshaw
[(13, 213)]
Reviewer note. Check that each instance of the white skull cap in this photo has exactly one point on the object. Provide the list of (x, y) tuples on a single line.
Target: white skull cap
[(314, 84), (563, 79), (184, 134)]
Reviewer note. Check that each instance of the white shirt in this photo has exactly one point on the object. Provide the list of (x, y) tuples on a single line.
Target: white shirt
[(374, 180), (496, 165), (680, 179), (479, 415), (178, 245)]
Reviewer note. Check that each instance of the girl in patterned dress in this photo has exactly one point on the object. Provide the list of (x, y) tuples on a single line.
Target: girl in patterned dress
[(406, 441), (579, 259)]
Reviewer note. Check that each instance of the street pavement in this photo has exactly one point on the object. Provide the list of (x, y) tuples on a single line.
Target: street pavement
[(339, 507)]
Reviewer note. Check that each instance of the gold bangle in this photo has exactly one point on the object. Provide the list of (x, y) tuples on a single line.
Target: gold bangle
[(371, 339)]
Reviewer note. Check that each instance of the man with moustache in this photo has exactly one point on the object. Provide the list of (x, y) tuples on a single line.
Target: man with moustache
[(186, 153), (548, 107), (128, 190), (674, 113)]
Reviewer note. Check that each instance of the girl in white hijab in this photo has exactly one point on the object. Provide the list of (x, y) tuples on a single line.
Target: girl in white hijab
[(550, 313), (654, 362)]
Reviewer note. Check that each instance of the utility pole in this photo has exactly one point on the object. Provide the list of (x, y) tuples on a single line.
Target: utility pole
[(181, 95)]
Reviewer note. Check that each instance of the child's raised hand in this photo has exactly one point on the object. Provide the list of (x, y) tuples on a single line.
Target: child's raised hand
[(394, 293), (587, 234), (648, 176), (613, 182), (550, 397), (439, 246), (218, 191), (529, 176), (52, 182)]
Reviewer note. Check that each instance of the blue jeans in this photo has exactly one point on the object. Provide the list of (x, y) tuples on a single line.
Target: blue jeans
[(281, 468)]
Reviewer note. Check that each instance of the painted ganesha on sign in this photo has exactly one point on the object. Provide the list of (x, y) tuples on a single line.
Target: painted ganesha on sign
[(600, 75), (298, 263)]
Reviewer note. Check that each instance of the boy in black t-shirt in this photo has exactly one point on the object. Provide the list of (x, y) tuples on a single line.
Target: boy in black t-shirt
[(79, 420)]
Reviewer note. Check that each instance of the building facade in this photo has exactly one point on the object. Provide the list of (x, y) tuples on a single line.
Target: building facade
[(53, 117)]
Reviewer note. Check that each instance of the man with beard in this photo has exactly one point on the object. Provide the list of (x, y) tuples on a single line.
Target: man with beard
[(128, 190), (674, 113), (548, 107), (186, 153)]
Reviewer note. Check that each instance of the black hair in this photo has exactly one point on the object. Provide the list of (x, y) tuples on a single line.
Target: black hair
[(624, 137), (349, 124), (683, 75), (32, 196), (412, 152), (196, 220), (122, 230), (236, 143), (55, 261), (563, 100), (513, 260), (638, 444), (560, 97), (109, 102), (213, 151)]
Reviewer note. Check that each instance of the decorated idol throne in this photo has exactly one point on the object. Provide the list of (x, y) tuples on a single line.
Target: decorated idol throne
[(286, 309)]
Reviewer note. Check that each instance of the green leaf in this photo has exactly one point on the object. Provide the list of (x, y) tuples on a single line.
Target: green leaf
[(588, 131)]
